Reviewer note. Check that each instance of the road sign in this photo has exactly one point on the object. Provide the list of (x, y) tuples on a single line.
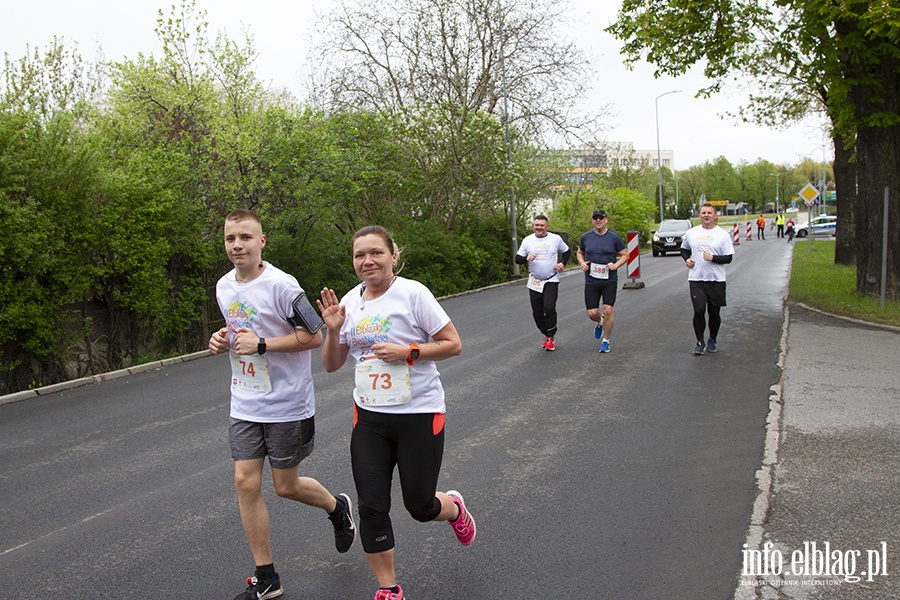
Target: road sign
[(809, 194)]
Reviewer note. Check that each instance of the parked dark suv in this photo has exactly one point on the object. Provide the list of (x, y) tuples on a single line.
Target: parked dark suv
[(669, 235)]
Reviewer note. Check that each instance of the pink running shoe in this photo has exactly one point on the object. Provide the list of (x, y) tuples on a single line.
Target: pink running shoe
[(550, 344), (464, 525), (384, 594)]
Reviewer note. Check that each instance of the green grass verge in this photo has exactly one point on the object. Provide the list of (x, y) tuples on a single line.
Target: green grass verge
[(816, 281)]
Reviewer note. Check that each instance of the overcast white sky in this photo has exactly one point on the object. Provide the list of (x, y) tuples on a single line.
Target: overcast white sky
[(281, 30)]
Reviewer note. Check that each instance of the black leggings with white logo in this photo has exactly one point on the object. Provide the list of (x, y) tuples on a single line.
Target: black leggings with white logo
[(414, 443)]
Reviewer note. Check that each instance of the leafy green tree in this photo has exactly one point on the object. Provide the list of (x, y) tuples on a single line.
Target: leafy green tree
[(720, 180), (628, 210), (440, 65), (847, 51), (48, 179)]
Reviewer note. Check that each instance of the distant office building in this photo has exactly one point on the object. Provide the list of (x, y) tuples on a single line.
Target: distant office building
[(584, 164)]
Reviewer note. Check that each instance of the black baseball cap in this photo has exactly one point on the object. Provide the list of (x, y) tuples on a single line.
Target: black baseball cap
[(599, 213)]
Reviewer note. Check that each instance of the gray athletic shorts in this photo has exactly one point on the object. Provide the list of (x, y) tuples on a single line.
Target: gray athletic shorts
[(286, 444)]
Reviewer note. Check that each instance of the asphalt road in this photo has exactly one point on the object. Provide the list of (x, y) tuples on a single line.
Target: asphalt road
[(627, 475)]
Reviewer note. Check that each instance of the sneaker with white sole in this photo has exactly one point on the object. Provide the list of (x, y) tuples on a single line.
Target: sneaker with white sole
[(550, 344), (598, 329), (711, 345), (699, 348), (261, 588), (604, 346), (464, 525), (344, 529)]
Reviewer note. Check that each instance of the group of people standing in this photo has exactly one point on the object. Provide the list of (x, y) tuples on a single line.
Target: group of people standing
[(394, 329), (784, 227), (706, 249)]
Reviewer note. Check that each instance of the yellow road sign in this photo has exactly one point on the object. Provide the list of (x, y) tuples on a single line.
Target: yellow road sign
[(809, 194)]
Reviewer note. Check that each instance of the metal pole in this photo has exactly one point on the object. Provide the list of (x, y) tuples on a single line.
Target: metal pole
[(676, 188), (776, 192), (662, 214), (512, 193), (824, 176), (884, 248)]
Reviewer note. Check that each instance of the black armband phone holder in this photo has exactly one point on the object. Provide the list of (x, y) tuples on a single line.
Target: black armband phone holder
[(305, 314)]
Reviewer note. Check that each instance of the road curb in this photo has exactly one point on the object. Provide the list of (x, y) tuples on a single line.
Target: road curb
[(82, 381), (848, 319), (765, 475)]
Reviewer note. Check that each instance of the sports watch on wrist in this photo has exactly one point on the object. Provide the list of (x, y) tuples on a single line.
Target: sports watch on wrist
[(413, 354), (261, 346)]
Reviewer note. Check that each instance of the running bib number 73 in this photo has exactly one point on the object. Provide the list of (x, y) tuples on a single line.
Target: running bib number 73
[(382, 384)]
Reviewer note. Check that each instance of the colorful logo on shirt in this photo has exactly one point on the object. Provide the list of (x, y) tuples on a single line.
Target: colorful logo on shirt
[(370, 330), (240, 315), (542, 251)]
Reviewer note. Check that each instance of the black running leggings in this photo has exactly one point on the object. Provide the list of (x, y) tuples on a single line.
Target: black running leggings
[(707, 297), (715, 321), (543, 308), (414, 443)]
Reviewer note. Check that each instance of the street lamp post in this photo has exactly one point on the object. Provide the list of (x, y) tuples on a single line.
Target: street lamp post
[(512, 193), (659, 154), (776, 190), (676, 188)]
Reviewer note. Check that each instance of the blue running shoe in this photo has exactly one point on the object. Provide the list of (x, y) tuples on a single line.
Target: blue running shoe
[(604, 346), (699, 348), (711, 345), (598, 329)]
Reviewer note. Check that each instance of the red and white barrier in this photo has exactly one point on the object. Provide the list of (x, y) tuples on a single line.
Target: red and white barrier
[(749, 231), (634, 254), (633, 268), (736, 235)]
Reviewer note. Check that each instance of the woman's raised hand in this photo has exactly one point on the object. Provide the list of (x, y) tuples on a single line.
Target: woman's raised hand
[(333, 313)]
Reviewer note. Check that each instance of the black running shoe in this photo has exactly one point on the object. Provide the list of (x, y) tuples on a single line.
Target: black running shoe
[(260, 588), (344, 529)]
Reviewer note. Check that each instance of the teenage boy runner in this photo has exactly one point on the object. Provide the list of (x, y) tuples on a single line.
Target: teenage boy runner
[(272, 397)]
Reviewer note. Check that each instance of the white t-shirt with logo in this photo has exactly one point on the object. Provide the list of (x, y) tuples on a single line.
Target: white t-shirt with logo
[(698, 240), (264, 305), (546, 250), (407, 313)]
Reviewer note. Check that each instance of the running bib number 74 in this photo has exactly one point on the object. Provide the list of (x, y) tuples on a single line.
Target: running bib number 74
[(250, 372)]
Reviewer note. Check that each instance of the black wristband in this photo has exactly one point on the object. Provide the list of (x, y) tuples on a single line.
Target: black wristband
[(261, 346)]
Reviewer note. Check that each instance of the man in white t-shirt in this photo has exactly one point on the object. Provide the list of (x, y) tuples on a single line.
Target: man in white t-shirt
[(272, 398), (546, 255), (706, 249)]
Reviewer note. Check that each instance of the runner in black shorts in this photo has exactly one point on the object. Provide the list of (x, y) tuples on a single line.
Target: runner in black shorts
[(600, 253)]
